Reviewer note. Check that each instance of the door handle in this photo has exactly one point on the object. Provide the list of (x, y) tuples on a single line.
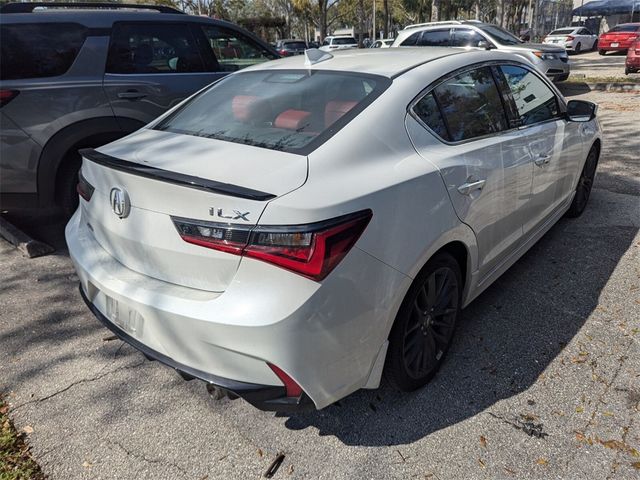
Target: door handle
[(131, 95), (542, 160), (467, 188)]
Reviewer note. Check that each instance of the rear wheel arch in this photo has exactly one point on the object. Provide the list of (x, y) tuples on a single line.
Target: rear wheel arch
[(59, 156)]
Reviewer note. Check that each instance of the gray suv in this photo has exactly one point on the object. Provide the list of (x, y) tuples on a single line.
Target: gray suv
[(82, 75), (552, 60)]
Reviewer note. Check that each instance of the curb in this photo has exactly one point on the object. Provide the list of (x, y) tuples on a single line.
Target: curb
[(28, 246), (604, 87)]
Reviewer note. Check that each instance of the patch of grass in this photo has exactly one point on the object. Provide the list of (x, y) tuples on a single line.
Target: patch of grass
[(16, 462)]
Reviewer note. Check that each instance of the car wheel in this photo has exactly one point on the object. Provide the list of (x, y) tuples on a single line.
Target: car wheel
[(601, 52), (585, 183), (425, 324), (627, 71), (577, 48)]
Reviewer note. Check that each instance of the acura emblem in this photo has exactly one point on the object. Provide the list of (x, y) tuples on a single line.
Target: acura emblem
[(120, 203)]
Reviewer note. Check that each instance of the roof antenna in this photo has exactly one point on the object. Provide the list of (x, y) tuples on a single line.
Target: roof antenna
[(313, 56)]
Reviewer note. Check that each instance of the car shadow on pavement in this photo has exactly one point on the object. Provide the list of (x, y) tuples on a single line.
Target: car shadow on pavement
[(505, 341)]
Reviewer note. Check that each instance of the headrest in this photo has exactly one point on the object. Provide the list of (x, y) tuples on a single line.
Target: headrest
[(335, 109), (291, 119)]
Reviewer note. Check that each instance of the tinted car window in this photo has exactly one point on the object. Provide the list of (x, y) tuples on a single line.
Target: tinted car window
[(427, 110), (344, 41), (39, 50), (233, 50), (466, 38), (153, 48), (534, 100), (412, 40), (504, 37), (471, 105), (295, 45), (435, 38), (562, 31), (625, 28), (279, 110)]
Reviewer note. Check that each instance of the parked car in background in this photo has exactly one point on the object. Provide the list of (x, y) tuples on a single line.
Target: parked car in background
[(552, 60), (84, 76), (313, 44), (573, 39), (619, 38), (384, 43), (632, 63), (290, 47), (341, 42), (298, 228)]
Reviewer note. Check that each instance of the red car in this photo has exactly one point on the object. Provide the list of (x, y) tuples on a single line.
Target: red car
[(632, 65), (619, 38)]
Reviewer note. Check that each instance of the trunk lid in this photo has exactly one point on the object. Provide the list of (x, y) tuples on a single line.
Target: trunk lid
[(168, 175)]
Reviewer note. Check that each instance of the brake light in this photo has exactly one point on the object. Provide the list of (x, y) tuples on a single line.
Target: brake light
[(570, 37), (292, 389), (7, 95), (312, 250), (84, 188)]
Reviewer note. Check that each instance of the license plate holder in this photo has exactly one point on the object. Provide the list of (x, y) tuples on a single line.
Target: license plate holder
[(123, 316), (615, 44)]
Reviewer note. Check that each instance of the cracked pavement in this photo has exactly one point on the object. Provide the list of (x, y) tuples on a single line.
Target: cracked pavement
[(543, 379)]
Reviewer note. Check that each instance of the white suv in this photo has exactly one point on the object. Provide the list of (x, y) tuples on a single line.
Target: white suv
[(552, 60), (299, 227), (338, 43)]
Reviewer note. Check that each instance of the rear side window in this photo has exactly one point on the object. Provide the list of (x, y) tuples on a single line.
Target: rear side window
[(288, 110), (153, 48), (233, 51), (39, 50), (344, 41), (435, 38), (534, 100), (427, 110), (471, 105), (412, 40)]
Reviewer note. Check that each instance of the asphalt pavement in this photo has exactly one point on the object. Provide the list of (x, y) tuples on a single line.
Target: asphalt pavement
[(543, 379), (591, 64)]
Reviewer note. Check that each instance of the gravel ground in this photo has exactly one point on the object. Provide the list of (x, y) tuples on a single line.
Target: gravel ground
[(543, 380)]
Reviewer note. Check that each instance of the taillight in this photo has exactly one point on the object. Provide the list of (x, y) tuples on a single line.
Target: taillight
[(84, 188), (292, 389), (7, 95), (569, 38), (312, 250)]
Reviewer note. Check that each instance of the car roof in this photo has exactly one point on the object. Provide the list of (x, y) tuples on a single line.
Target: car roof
[(388, 62)]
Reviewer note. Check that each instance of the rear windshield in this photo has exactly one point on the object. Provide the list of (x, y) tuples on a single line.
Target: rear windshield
[(562, 31), (39, 50), (289, 110), (625, 28), (344, 41), (295, 45)]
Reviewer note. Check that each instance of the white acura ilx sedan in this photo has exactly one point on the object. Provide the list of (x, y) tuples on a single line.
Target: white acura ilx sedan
[(301, 227)]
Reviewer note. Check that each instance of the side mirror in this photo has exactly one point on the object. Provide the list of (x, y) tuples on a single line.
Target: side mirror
[(581, 111), (486, 45)]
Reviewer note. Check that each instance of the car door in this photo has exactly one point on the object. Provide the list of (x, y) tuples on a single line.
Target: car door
[(555, 145), (589, 38), (484, 162), (466, 37), (440, 37)]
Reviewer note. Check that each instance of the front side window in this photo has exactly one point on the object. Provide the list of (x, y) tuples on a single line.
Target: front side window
[(142, 48), (500, 34), (535, 102), (39, 50), (465, 37), (284, 110), (233, 51), (471, 105), (435, 38)]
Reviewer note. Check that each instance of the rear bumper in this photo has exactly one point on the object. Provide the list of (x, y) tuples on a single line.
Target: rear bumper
[(606, 46), (264, 397)]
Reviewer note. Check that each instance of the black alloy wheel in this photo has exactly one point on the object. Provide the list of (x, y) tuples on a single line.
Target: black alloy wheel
[(425, 325), (585, 184)]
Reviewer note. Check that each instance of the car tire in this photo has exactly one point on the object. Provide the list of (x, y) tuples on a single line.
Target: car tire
[(425, 324), (585, 184), (627, 71), (66, 184), (601, 52), (578, 48), (595, 45)]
